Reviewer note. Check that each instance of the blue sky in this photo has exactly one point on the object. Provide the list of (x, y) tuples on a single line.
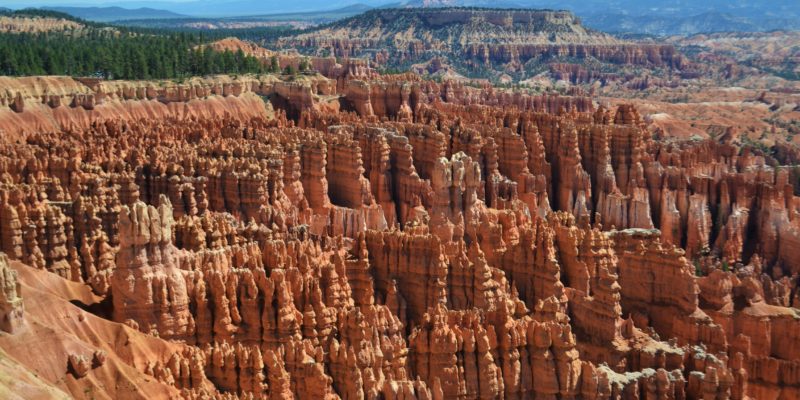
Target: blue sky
[(205, 7), (167, 4), (198, 6), (96, 3)]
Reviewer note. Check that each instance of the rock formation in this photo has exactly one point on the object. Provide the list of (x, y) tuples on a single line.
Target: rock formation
[(11, 306), (475, 39), (417, 240), (148, 289)]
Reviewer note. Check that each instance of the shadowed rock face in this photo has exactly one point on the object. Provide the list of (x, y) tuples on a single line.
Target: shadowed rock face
[(416, 240)]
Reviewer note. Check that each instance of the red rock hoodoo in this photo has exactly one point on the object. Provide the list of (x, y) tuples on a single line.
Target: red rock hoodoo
[(389, 238)]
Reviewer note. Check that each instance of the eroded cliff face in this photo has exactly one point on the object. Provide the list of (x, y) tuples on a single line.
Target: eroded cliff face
[(23, 24), (52, 104), (417, 240), (477, 40), (340, 70)]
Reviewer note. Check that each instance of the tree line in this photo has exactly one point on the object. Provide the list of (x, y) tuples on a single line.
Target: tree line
[(119, 56), (260, 34), (116, 52)]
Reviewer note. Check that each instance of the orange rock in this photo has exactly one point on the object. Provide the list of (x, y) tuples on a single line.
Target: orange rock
[(423, 241), (11, 306), (147, 286)]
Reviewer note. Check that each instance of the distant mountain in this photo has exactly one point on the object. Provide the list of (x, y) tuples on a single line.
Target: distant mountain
[(318, 16), (742, 8), (455, 28), (463, 3), (356, 8), (109, 14), (674, 25), (661, 17), (243, 8), (476, 42), (297, 19)]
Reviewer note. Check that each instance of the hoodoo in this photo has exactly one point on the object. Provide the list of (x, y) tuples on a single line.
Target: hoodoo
[(244, 222)]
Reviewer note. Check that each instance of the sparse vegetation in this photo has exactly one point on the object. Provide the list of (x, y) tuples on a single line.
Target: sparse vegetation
[(697, 270), (304, 65)]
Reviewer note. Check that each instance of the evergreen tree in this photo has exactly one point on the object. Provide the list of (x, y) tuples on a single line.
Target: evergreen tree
[(304, 65), (115, 56), (274, 64)]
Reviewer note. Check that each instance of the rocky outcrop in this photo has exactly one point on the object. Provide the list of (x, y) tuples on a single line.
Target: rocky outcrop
[(340, 71), (34, 104), (11, 307), (477, 40), (622, 53), (149, 290), (35, 24)]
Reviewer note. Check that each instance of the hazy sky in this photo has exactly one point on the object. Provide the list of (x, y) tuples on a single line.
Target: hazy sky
[(29, 3), (216, 8), (126, 3), (95, 3), (741, 8)]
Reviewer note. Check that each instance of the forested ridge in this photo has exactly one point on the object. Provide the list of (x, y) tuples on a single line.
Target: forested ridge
[(119, 53), (123, 57)]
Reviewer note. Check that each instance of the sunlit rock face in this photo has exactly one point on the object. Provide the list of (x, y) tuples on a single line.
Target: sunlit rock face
[(408, 239)]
